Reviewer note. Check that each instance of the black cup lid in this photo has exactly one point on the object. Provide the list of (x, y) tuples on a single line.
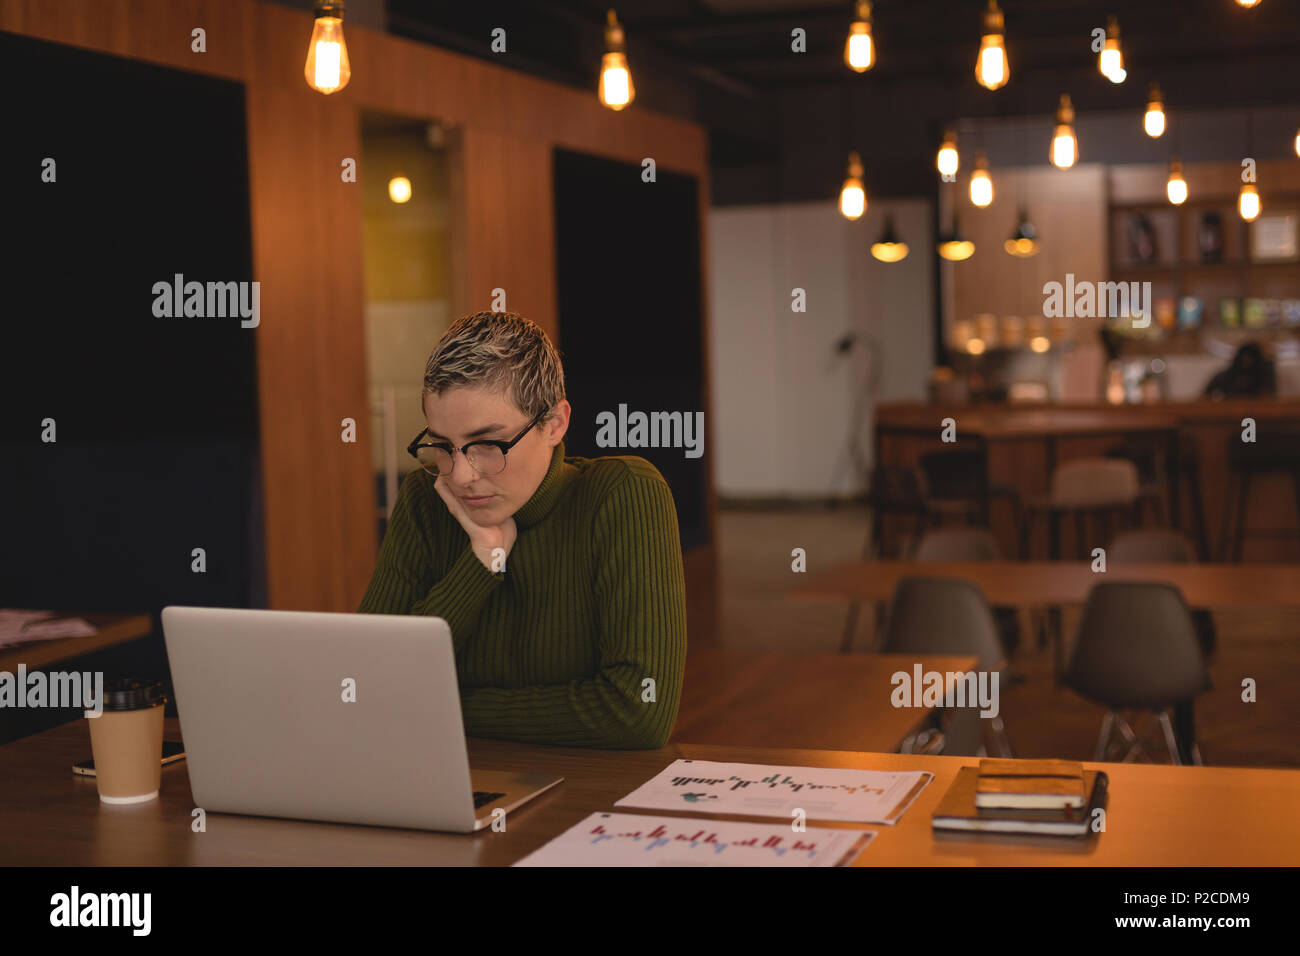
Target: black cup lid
[(132, 694)]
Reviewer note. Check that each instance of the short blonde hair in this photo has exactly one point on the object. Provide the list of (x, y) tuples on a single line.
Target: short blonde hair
[(498, 351)]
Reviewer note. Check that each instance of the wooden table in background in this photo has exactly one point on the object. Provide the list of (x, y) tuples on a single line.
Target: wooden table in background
[(1057, 583), (1157, 815), (810, 701), (111, 629)]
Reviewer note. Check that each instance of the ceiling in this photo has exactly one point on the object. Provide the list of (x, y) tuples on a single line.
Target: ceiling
[(727, 64), (747, 42)]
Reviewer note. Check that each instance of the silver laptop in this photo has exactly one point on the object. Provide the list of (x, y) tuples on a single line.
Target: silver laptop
[(269, 731)]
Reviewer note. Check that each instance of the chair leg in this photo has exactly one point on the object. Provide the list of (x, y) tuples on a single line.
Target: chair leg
[(1170, 742), (1239, 533), (1185, 732), (1000, 738), (1224, 525), (1056, 621), (1198, 512), (1131, 738), (850, 627), (1103, 739), (1295, 481)]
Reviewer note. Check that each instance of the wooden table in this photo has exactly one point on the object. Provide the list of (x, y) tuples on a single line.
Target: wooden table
[(1157, 815), (111, 629), (1057, 583), (1021, 445), (813, 701)]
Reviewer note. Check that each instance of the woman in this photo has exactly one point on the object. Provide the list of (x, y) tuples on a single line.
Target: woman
[(561, 578)]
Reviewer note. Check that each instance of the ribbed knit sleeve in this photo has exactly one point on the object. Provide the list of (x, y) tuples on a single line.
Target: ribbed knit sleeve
[(407, 579), (641, 614)]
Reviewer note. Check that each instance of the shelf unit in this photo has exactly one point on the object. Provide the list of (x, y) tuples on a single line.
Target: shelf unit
[(1178, 270)]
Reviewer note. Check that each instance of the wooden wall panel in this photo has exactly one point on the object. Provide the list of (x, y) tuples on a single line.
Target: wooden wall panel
[(319, 496), (1068, 207), (507, 194), (319, 493)]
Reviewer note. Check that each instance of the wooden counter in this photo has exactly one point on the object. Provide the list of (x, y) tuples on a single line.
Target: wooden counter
[(1024, 443)]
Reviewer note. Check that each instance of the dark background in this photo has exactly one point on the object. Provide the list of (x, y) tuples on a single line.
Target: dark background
[(156, 417), (629, 305)]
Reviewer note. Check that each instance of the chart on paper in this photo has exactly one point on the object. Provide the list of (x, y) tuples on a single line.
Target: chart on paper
[(746, 789), (627, 839)]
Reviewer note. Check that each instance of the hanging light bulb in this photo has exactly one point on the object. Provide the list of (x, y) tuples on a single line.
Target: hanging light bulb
[(1297, 142), (1247, 3), (1065, 150), (1111, 61), (954, 246), (327, 68), (981, 186), (616, 89), (1248, 202), (991, 68), (860, 47), (1177, 186), (888, 248), (399, 189), (1154, 120), (947, 160), (853, 198), (1024, 241)]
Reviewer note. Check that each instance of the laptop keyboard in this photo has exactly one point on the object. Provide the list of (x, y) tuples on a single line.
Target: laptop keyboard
[(482, 798)]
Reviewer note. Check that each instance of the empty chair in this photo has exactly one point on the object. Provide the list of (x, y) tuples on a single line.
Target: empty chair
[(1275, 450), (1154, 468), (950, 616), (1151, 546), (971, 544), (1095, 483), (1165, 546), (957, 544), (1136, 650), (903, 491), (1085, 486), (959, 481), (900, 491)]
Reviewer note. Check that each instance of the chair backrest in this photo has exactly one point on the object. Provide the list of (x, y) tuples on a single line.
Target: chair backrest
[(1151, 546), (958, 544), (1136, 647), (942, 616), (897, 486), (954, 474), (1095, 481)]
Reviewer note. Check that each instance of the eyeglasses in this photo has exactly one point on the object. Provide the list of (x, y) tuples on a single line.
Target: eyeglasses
[(486, 456)]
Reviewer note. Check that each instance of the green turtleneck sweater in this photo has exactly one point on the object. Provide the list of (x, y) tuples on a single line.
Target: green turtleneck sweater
[(558, 648)]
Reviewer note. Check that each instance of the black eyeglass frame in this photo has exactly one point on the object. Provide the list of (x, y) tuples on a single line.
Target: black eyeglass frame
[(413, 448)]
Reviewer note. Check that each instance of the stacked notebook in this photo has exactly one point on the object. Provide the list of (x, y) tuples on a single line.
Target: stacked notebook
[(1023, 796)]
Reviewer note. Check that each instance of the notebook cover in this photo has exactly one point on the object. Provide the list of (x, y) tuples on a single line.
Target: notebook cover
[(1030, 768), (957, 810), (1022, 783)]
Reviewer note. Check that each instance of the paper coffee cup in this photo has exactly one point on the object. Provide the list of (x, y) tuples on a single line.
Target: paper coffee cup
[(126, 741)]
